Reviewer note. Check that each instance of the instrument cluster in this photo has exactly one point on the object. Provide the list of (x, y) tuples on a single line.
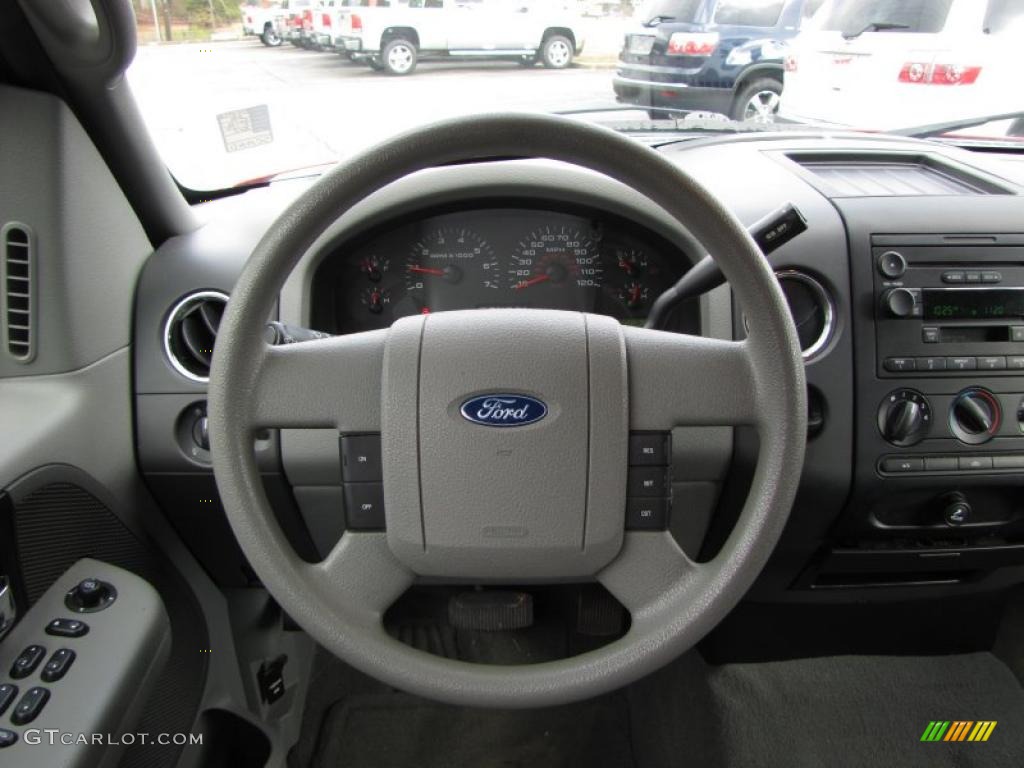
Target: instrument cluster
[(580, 260)]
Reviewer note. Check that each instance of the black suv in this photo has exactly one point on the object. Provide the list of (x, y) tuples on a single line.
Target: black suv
[(710, 55)]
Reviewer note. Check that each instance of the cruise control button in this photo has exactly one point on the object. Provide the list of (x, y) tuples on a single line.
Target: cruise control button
[(30, 706), (896, 464), (649, 449), (974, 463), (58, 665), (931, 363), (361, 459), (899, 364), (27, 661), (647, 514), (961, 363), (648, 482), (7, 738), (364, 506), (67, 628), (994, 363), (7, 694), (941, 464)]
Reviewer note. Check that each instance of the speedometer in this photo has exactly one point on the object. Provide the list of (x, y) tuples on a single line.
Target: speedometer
[(556, 260)]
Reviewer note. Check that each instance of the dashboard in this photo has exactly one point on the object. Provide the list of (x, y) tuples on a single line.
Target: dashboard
[(509, 255), (912, 478)]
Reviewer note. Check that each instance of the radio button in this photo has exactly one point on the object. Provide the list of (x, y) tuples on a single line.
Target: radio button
[(930, 335), (975, 463), (961, 363), (892, 264), (953, 277), (1017, 333), (931, 363), (1015, 362), (991, 277), (899, 364), (941, 464), (972, 277), (997, 363)]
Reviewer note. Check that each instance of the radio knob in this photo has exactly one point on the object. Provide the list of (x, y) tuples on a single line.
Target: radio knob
[(974, 417), (904, 417), (892, 264), (900, 302)]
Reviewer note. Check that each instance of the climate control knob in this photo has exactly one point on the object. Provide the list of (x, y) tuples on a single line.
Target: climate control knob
[(974, 416), (904, 417)]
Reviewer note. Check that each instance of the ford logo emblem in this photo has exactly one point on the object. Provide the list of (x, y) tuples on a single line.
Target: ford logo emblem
[(504, 410)]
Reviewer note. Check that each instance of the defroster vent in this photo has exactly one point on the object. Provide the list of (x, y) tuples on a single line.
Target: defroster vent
[(18, 271), (190, 333)]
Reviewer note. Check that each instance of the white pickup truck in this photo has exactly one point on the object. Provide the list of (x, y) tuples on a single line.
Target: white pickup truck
[(262, 21), (392, 36)]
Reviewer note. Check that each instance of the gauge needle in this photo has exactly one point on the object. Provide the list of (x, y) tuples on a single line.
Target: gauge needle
[(426, 270), (532, 281)]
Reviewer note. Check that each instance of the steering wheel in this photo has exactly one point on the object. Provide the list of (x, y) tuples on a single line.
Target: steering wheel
[(541, 502)]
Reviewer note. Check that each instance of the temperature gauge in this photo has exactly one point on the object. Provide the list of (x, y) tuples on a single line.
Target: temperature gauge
[(376, 300), (634, 294)]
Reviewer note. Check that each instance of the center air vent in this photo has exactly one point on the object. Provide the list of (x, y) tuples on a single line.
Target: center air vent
[(191, 331)]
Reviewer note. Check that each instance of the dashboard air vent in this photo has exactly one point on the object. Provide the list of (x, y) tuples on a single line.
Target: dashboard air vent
[(190, 333), (18, 271)]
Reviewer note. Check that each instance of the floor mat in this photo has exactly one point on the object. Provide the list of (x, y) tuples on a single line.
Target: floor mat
[(394, 730), (837, 711)]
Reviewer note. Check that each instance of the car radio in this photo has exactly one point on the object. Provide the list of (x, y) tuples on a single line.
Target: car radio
[(943, 310)]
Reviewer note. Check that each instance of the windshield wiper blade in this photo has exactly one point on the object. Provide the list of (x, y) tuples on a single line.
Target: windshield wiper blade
[(875, 26), (655, 20), (938, 129)]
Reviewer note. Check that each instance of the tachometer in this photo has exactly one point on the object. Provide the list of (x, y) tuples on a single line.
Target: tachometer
[(552, 259), (448, 260)]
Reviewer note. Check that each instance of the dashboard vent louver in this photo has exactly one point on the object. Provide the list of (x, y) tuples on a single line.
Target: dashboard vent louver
[(18, 270), (190, 333)]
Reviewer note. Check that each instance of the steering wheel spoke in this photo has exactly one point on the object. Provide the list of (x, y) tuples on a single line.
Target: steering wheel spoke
[(647, 568), (361, 577), (681, 380), (331, 382)]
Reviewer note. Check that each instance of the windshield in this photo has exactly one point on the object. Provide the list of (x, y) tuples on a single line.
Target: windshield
[(235, 94)]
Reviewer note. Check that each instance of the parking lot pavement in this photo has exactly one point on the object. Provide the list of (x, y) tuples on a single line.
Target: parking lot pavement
[(322, 107)]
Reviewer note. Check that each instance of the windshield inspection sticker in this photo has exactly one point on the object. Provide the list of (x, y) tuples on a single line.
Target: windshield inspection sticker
[(245, 128)]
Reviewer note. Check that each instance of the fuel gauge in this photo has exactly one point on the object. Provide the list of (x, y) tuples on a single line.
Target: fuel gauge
[(632, 261), (374, 267)]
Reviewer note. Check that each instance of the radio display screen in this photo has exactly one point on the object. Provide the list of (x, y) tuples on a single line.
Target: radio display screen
[(973, 303)]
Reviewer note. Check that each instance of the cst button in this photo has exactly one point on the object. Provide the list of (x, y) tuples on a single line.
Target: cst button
[(647, 514)]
